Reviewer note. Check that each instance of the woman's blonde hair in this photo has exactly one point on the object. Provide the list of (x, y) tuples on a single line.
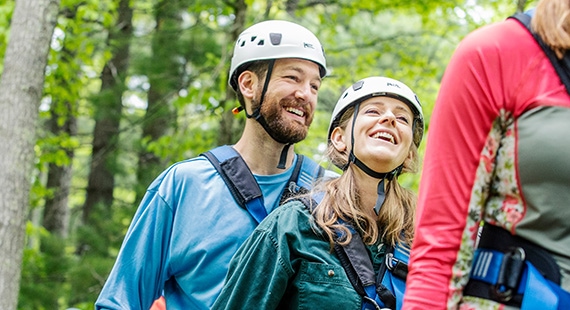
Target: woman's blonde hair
[(341, 201), (551, 22)]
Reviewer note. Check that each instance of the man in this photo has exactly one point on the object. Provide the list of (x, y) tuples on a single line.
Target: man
[(188, 225)]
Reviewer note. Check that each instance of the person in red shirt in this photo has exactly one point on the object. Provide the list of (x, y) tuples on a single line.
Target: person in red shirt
[(496, 158)]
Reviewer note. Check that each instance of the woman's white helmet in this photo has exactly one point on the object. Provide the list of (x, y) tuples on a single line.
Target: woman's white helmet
[(275, 39), (379, 86)]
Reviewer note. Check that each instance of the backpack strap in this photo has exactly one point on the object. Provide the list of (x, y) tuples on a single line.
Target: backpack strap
[(243, 186), (377, 291), (239, 179), (310, 172), (357, 264), (305, 173), (562, 66)]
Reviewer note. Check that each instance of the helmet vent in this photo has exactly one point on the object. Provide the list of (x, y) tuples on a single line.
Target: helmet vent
[(358, 85), (275, 38), (261, 42)]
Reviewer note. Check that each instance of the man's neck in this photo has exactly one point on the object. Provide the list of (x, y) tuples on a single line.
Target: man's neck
[(261, 152)]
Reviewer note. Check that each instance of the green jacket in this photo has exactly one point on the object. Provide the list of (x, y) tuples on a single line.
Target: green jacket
[(285, 264)]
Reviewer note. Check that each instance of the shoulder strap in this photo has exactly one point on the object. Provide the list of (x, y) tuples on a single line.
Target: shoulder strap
[(357, 264), (381, 289), (358, 267), (239, 179), (305, 173), (562, 66), (243, 186), (310, 172)]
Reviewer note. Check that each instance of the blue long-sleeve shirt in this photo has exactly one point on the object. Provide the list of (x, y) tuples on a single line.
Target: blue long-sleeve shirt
[(181, 239)]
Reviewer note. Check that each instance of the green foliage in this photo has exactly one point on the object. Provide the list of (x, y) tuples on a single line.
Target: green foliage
[(6, 9), (44, 271), (188, 58)]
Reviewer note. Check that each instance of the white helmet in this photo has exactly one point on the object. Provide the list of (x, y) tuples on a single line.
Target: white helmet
[(274, 39), (379, 86)]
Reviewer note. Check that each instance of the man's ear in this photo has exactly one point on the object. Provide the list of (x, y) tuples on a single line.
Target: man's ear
[(338, 139), (247, 82)]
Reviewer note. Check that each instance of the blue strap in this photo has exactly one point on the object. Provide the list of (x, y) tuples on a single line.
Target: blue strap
[(487, 265), (257, 209), (242, 184), (538, 292), (310, 171), (239, 179)]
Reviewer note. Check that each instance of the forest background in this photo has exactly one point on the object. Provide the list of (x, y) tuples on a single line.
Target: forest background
[(132, 86)]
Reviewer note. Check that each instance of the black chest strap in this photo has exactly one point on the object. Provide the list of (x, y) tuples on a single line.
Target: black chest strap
[(356, 261), (243, 186), (562, 66)]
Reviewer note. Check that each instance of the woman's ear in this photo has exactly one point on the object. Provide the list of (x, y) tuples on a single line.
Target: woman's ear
[(338, 139), (411, 161)]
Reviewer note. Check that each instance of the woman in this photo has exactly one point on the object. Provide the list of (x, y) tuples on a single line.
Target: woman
[(497, 154), (289, 262)]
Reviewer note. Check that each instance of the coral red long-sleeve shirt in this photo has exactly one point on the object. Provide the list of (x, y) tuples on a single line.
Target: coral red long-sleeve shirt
[(498, 151)]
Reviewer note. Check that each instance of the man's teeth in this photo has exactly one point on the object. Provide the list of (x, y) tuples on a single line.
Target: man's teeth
[(295, 111), (384, 135)]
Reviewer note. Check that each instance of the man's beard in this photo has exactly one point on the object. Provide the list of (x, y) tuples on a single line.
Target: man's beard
[(278, 127)]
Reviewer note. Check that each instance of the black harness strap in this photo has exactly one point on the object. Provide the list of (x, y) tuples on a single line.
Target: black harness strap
[(357, 264), (498, 239), (350, 271), (239, 180), (243, 186), (562, 66)]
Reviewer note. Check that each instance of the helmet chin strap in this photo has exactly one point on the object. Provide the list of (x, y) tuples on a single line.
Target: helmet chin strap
[(383, 176), (259, 118)]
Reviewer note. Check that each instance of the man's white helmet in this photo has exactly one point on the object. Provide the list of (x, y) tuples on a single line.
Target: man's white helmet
[(379, 86), (275, 39)]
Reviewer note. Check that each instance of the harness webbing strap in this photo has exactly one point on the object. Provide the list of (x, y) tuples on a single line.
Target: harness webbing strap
[(360, 260), (350, 272), (357, 264), (305, 173), (513, 271), (531, 290), (379, 290), (243, 186), (562, 66), (239, 179)]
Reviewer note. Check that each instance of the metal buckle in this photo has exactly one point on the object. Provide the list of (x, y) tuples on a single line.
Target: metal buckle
[(371, 302), (509, 276), (390, 261), (293, 188)]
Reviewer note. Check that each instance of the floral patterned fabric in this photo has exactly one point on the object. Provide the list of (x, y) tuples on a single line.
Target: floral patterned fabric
[(497, 152)]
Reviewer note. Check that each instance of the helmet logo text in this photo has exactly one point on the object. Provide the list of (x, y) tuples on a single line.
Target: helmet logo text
[(308, 45), (393, 84)]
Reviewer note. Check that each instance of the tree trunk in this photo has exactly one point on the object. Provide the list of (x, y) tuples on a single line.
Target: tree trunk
[(56, 209), (165, 77), (21, 86), (521, 5), (108, 109), (227, 123)]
